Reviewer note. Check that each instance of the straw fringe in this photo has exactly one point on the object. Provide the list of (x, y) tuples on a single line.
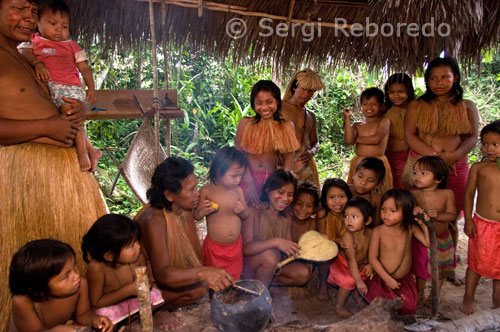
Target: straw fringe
[(306, 79), (269, 136), (335, 227), (44, 195), (450, 120), (384, 185), (271, 228), (396, 115)]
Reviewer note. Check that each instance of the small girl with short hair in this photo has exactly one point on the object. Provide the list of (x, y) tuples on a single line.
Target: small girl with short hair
[(351, 267), (223, 203), (304, 208), (47, 290), (390, 250), (112, 251), (334, 196)]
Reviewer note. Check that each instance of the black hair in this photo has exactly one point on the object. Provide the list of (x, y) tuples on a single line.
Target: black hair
[(307, 187), (404, 200), (223, 160), (492, 127), (267, 85), (437, 166), (456, 91), (334, 182), (168, 176), (401, 78), (372, 92), (35, 264), (373, 164), (110, 233), (278, 179), (362, 205), (54, 6)]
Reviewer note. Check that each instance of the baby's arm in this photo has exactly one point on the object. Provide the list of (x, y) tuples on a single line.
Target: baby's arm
[(470, 192), (380, 135), (42, 72), (84, 314), (98, 298), (373, 253), (350, 253), (84, 69), (350, 131), (205, 207), (450, 213)]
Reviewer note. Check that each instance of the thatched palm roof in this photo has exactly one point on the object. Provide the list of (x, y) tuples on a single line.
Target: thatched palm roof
[(474, 25)]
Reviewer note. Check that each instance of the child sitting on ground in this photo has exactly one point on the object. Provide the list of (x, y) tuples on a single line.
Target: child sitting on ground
[(334, 196), (112, 244), (370, 136), (47, 291), (57, 60), (483, 228), (264, 138), (351, 267), (369, 172), (390, 250), (304, 209), (430, 175), (223, 203)]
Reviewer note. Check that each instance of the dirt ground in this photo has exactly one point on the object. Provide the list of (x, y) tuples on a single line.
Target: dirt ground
[(310, 310)]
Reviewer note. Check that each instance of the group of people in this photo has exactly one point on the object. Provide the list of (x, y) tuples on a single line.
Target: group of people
[(410, 170)]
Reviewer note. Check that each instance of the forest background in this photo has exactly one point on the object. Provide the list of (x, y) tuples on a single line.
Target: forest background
[(214, 96)]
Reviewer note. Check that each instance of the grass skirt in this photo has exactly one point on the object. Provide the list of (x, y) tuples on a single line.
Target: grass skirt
[(44, 195)]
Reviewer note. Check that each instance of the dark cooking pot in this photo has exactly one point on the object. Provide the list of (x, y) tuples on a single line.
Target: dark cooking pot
[(236, 311)]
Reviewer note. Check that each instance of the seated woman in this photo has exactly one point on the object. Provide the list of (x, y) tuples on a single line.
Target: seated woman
[(267, 235), (170, 237)]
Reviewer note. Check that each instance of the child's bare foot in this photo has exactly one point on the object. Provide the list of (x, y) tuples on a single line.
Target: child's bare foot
[(466, 308), (323, 295), (341, 311), (94, 156), (168, 321), (84, 161)]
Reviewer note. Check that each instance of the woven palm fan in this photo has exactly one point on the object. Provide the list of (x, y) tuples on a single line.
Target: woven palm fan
[(139, 163), (314, 247)]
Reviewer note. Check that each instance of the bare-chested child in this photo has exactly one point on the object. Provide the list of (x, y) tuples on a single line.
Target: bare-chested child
[(370, 136), (223, 203), (304, 208), (483, 228), (58, 60), (351, 268), (48, 292), (265, 138), (430, 175), (368, 174), (112, 251), (390, 250)]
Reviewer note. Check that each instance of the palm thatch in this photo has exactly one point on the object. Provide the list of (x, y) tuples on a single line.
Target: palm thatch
[(474, 25)]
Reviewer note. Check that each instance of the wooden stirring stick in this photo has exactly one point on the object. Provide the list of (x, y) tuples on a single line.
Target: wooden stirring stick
[(246, 290)]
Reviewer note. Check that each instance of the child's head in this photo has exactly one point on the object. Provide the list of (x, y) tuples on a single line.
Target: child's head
[(396, 208), (372, 102), (369, 172), (279, 189), (53, 21), (358, 214), (173, 180), (112, 239), (334, 195), (265, 100), (44, 268), (430, 170), (490, 140), (398, 90), (306, 200), (228, 167), (304, 83), (442, 77)]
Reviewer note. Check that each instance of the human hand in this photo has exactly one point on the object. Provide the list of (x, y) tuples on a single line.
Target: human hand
[(240, 208), (369, 273), (91, 95), (42, 72), (470, 229), (448, 157), (216, 279), (76, 111), (288, 247), (347, 114), (206, 208), (102, 323), (60, 129), (305, 157), (345, 246), (361, 286), (432, 212), (393, 284)]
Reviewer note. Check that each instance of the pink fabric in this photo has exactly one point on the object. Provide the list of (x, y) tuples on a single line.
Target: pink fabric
[(118, 312), (484, 249), (420, 260), (259, 178), (60, 59), (407, 292), (225, 256), (397, 160), (340, 275)]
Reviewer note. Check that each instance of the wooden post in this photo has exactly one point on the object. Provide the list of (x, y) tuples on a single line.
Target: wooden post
[(156, 103), (145, 311), (166, 121)]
